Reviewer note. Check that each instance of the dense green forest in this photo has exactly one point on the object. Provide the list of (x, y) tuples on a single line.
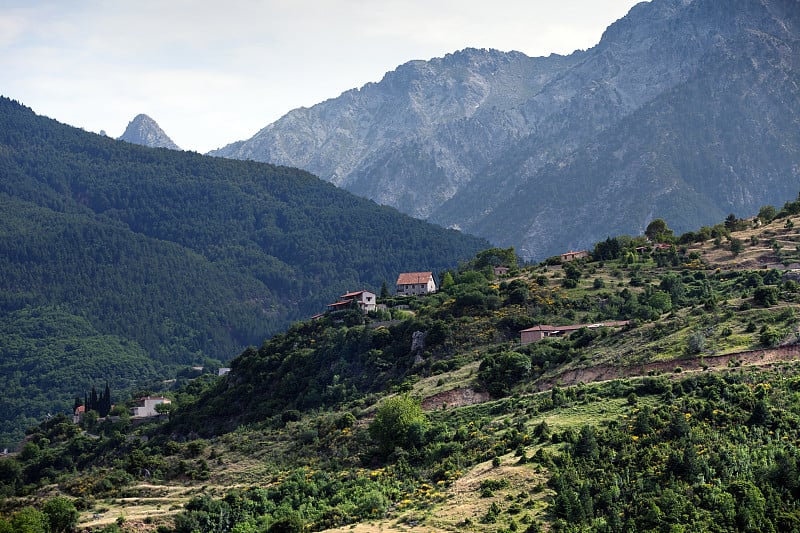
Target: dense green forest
[(159, 259), (432, 414)]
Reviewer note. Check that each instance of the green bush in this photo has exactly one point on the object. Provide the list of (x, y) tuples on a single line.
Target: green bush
[(500, 372), (399, 422)]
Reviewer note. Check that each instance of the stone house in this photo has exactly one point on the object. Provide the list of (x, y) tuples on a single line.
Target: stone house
[(537, 333), (572, 256)]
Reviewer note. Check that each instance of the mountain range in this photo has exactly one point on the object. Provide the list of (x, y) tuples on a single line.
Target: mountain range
[(686, 110)]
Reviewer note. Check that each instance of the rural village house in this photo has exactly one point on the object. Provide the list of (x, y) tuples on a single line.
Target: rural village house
[(572, 256), (147, 406), (537, 333), (365, 301), (412, 283), (500, 271)]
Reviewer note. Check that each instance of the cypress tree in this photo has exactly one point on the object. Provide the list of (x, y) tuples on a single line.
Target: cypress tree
[(106, 400), (94, 402)]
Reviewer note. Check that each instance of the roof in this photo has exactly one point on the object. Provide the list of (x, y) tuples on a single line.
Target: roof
[(155, 398), (354, 294), (612, 324), (340, 304), (410, 278)]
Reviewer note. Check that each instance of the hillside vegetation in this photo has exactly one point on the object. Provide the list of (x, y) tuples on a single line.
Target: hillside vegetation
[(154, 260), (685, 419)]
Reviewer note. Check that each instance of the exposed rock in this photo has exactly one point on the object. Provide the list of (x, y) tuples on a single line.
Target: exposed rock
[(686, 110), (145, 131)]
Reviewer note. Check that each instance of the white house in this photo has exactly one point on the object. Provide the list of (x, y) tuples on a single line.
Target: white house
[(365, 300), (148, 406), (411, 283)]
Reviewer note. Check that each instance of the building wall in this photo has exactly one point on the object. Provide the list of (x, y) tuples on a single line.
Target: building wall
[(531, 336), (417, 288), (149, 407)]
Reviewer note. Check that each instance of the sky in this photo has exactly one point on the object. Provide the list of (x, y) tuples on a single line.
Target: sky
[(214, 72)]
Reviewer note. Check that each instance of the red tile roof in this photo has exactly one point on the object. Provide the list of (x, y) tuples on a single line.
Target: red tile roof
[(352, 294), (612, 324), (411, 278)]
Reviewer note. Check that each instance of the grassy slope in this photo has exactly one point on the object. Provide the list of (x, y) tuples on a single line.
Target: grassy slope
[(259, 455)]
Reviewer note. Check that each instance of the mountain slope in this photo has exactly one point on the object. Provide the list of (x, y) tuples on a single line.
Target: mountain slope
[(182, 257), (145, 131), (685, 415), (462, 140)]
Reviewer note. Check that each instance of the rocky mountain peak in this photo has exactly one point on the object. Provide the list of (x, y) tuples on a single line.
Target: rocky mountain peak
[(685, 109), (145, 131)]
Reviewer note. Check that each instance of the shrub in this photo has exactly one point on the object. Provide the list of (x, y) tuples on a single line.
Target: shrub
[(500, 372), (766, 296), (399, 422), (770, 337)]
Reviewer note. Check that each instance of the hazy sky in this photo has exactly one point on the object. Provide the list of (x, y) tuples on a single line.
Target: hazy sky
[(214, 72)]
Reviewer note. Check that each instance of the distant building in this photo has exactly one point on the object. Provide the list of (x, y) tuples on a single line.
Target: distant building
[(537, 333), (364, 300), (572, 256), (412, 283), (223, 370), (500, 271), (148, 406), (78, 414)]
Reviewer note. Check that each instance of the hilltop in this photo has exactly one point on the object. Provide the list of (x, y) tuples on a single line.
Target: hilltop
[(130, 264), (681, 412)]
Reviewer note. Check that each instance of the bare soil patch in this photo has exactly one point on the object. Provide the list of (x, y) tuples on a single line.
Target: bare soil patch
[(454, 398), (608, 372)]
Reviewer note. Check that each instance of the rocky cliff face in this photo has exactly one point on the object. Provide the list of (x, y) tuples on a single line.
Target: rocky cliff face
[(145, 131), (686, 110)]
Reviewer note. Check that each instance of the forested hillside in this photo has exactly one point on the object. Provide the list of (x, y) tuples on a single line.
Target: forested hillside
[(673, 406), (122, 262)]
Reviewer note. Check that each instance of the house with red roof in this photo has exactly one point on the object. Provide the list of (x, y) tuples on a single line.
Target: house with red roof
[(364, 300), (537, 333), (77, 415), (413, 283)]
